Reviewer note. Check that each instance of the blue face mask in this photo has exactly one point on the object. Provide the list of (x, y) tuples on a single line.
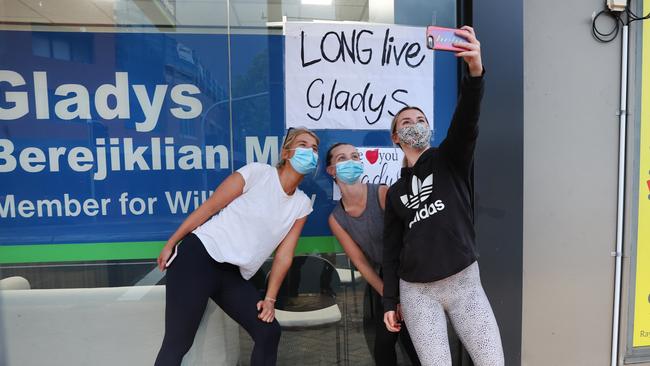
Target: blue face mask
[(304, 160), (349, 171)]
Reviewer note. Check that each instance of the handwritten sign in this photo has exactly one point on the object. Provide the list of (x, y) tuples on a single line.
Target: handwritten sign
[(381, 165), (354, 76)]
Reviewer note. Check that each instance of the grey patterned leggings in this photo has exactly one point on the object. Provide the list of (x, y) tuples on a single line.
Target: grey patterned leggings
[(462, 297)]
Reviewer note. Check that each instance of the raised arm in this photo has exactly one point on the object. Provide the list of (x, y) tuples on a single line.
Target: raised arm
[(281, 263), (231, 188), (460, 142), (356, 255)]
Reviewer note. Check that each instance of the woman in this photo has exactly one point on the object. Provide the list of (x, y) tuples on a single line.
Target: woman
[(357, 222), (255, 211), (429, 237)]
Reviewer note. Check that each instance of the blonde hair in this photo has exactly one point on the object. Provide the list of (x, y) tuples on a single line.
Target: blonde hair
[(292, 133)]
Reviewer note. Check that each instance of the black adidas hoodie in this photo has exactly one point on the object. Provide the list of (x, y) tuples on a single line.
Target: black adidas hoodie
[(428, 221)]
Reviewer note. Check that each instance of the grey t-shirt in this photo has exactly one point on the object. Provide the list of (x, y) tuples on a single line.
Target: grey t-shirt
[(367, 230)]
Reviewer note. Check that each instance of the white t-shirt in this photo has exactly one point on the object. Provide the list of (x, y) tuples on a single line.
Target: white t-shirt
[(250, 228)]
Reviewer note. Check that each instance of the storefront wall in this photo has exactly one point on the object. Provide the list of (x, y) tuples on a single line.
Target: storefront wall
[(545, 174), (92, 271)]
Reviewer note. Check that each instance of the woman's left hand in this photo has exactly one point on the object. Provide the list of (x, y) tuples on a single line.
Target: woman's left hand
[(266, 309), (473, 54)]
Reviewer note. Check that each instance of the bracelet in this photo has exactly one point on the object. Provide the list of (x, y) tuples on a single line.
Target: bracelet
[(269, 299)]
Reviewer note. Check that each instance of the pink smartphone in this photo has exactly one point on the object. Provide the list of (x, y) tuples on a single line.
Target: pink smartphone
[(172, 257), (443, 39)]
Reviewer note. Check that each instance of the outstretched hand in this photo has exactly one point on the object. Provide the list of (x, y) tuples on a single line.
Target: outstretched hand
[(472, 55)]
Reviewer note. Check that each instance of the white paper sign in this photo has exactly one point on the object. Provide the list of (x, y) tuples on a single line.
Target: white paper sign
[(354, 75), (381, 165)]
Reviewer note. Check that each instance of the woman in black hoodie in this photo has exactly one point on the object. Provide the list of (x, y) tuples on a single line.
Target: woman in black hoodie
[(429, 260)]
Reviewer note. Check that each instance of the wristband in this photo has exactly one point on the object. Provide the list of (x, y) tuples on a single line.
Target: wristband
[(269, 299)]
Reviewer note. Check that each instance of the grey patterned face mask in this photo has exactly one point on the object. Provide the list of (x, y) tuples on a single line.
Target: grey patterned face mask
[(416, 135)]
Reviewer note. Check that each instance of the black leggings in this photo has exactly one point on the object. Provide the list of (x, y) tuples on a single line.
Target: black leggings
[(192, 279), (385, 353)]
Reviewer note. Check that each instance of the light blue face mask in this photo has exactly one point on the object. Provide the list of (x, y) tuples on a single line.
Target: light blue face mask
[(349, 171), (304, 160)]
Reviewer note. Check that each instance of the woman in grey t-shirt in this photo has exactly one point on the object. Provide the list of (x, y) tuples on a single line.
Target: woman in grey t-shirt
[(358, 224)]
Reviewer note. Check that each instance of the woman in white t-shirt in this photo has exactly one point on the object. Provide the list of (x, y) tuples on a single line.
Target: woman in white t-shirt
[(255, 211)]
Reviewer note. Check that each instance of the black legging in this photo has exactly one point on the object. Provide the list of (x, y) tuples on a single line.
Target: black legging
[(385, 340), (192, 279)]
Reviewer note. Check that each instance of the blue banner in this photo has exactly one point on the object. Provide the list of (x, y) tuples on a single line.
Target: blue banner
[(116, 137)]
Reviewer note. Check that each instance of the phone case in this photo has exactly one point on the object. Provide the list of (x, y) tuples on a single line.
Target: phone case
[(440, 38)]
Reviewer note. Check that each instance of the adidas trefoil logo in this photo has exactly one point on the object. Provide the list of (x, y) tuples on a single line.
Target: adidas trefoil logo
[(421, 190)]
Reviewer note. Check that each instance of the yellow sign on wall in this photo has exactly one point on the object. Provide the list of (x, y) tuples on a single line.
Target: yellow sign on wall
[(642, 292)]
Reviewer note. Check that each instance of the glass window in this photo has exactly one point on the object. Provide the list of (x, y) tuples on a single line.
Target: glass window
[(122, 117)]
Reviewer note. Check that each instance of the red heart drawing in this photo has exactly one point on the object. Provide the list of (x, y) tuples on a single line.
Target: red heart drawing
[(372, 155)]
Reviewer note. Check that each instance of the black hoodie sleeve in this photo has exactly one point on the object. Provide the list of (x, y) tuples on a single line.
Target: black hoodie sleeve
[(458, 146), (393, 231)]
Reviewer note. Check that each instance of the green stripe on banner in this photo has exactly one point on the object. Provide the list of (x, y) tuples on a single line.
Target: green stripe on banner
[(79, 252), (318, 244), (13, 254)]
